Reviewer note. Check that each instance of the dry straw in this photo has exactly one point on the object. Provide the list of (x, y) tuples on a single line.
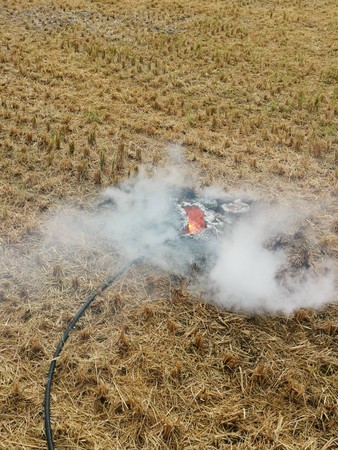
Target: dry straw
[(92, 90)]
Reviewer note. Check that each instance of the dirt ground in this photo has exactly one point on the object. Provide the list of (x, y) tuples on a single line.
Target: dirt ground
[(90, 92)]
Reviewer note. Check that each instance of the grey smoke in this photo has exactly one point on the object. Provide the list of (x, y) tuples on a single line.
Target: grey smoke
[(139, 221), (136, 218), (245, 274)]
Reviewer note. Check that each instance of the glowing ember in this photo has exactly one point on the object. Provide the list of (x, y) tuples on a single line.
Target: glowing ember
[(196, 222)]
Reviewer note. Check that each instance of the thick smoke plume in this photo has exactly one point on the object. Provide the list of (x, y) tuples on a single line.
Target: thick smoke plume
[(139, 219), (141, 222), (251, 277)]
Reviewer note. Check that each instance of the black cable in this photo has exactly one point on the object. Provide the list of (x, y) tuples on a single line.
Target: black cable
[(91, 298)]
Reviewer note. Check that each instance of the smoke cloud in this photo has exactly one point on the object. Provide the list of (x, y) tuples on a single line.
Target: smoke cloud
[(241, 272), (142, 223), (240, 269), (250, 277)]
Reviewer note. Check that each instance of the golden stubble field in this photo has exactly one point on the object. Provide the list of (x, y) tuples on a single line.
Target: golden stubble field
[(90, 91)]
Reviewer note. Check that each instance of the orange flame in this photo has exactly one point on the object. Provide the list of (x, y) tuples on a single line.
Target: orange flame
[(196, 222)]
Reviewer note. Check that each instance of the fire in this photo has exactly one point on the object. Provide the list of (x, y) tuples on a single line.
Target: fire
[(196, 222)]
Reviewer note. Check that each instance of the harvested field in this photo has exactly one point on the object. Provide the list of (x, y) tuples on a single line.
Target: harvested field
[(92, 93)]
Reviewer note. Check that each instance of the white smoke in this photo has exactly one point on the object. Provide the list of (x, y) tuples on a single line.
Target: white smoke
[(139, 220), (245, 274)]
